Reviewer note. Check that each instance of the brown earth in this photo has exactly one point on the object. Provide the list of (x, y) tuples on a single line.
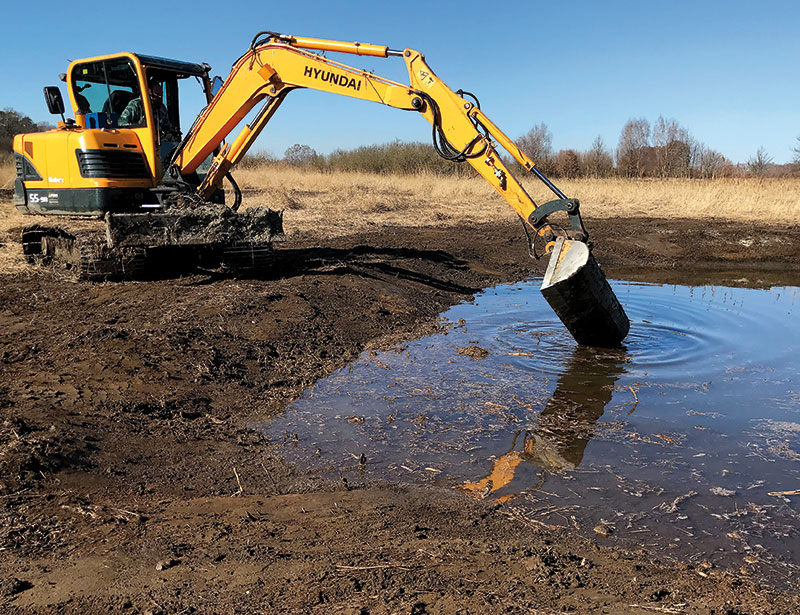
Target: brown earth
[(131, 480)]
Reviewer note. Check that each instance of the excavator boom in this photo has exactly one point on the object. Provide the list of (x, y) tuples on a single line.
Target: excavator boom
[(276, 64), (273, 67)]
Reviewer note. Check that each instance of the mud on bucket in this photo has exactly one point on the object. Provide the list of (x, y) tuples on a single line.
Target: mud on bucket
[(577, 290)]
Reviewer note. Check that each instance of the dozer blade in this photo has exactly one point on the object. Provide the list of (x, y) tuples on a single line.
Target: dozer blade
[(202, 225), (579, 293)]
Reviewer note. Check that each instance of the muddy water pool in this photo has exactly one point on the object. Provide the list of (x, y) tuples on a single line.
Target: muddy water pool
[(681, 442)]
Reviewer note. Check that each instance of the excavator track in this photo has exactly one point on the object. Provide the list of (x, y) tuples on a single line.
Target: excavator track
[(81, 254), (84, 255), (247, 258), (98, 268)]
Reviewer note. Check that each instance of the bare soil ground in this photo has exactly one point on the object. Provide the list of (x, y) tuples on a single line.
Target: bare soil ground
[(131, 480)]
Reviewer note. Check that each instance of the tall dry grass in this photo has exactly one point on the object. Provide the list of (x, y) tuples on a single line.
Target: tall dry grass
[(7, 172), (338, 202), (11, 259)]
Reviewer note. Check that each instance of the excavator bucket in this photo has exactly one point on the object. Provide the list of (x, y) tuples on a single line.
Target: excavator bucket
[(579, 293)]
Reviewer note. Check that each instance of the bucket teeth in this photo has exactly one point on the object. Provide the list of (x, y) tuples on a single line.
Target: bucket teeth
[(579, 293)]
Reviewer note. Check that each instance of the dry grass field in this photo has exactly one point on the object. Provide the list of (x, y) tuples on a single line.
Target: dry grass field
[(336, 202), (341, 202)]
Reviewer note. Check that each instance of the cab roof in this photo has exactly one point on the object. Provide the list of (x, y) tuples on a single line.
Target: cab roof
[(187, 69)]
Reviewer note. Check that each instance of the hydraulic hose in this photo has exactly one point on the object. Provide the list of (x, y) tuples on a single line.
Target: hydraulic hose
[(237, 193), (443, 147)]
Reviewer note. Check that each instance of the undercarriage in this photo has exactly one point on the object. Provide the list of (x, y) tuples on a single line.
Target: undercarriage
[(176, 240)]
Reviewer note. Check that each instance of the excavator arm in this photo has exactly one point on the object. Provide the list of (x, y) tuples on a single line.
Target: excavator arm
[(276, 64)]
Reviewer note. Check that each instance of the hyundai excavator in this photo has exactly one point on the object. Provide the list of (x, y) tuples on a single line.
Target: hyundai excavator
[(160, 194)]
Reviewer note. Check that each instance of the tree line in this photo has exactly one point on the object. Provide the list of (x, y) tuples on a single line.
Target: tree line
[(14, 123), (662, 150)]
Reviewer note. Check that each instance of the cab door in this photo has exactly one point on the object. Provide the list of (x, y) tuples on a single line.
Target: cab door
[(108, 91)]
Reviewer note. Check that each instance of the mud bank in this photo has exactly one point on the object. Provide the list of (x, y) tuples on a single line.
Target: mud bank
[(130, 480)]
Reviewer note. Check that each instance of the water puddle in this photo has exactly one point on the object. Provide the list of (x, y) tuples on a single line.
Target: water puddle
[(680, 443)]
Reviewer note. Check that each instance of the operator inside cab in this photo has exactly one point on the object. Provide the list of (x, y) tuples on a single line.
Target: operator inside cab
[(133, 115)]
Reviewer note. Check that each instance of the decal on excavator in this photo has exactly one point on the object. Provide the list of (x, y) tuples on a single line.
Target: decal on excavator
[(331, 77), (425, 77)]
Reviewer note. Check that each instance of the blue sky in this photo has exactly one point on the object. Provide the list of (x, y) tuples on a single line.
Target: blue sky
[(728, 71)]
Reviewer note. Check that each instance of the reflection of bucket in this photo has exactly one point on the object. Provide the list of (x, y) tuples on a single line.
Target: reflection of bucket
[(548, 453), (577, 290)]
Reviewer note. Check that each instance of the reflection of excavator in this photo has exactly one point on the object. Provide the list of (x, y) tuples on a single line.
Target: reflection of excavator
[(566, 424), (155, 197)]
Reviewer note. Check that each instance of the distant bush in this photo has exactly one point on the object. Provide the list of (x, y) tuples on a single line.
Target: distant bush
[(568, 164), (389, 158), (396, 157), (299, 155), (597, 160), (259, 159)]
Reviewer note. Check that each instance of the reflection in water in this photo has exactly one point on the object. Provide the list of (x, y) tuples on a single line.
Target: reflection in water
[(563, 429)]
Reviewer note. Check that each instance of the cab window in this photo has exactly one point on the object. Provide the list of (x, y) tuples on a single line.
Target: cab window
[(107, 86), (167, 96)]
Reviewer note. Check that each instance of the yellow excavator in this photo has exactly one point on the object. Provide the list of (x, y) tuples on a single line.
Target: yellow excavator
[(159, 190)]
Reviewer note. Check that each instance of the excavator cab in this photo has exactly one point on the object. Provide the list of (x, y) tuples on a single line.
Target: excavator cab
[(112, 155), (102, 90), (135, 92)]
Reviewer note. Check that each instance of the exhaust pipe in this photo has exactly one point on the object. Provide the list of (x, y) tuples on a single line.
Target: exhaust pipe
[(579, 293)]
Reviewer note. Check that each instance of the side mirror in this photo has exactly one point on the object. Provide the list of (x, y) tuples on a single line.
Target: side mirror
[(216, 84), (55, 104)]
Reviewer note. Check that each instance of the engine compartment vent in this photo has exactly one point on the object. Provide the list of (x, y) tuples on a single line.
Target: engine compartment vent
[(117, 164)]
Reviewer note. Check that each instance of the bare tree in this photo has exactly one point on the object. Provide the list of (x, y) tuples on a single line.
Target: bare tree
[(697, 150), (537, 143), (597, 161), (708, 163), (300, 155), (757, 165), (633, 141), (663, 133), (796, 151), (672, 148)]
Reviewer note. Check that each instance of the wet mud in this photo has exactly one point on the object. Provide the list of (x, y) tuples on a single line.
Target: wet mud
[(129, 439)]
